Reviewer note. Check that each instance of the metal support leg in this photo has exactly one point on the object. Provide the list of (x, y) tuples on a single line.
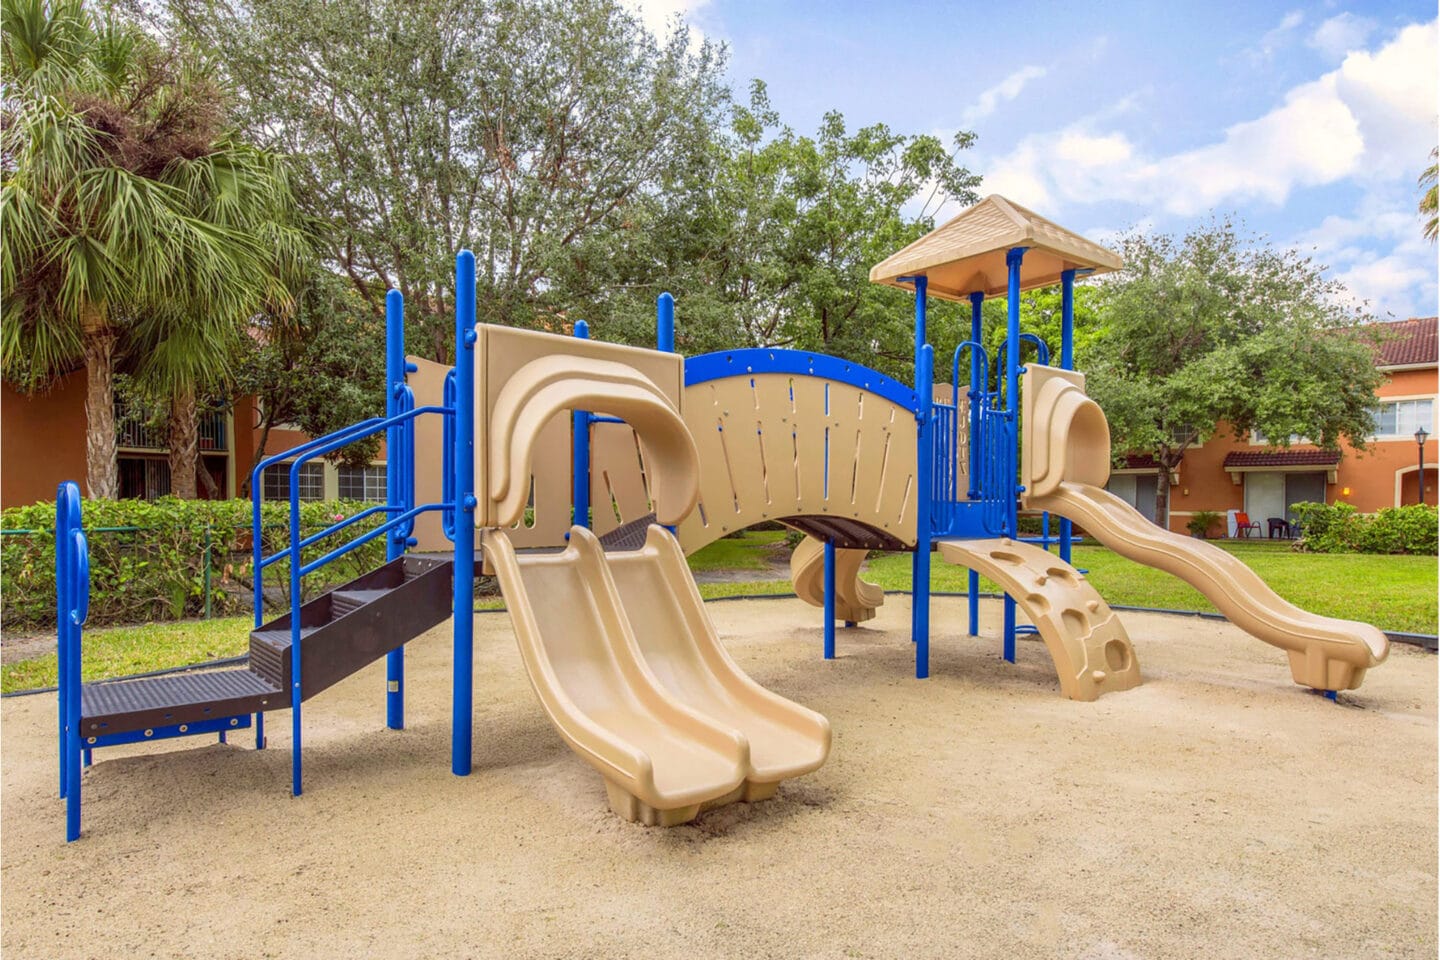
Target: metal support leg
[(259, 731), (829, 600), (1009, 629), (972, 585)]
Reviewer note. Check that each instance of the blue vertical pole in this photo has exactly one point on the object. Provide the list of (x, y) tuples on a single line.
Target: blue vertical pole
[(394, 488), (829, 600), (1067, 362), (295, 661), (1012, 421), (62, 641), (462, 706), (665, 323), (920, 565), (580, 445), (977, 398)]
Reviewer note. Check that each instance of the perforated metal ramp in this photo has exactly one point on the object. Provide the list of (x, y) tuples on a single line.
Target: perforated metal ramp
[(122, 706)]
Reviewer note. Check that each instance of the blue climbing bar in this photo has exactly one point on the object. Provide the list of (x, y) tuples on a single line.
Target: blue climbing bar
[(462, 706), (1067, 362), (978, 388), (394, 489), (580, 446), (1013, 259), (665, 323), (920, 565)]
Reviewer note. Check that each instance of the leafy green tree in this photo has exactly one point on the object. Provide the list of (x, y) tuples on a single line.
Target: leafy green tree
[(1216, 326), (768, 239), (320, 367), (1429, 210), (518, 128), (127, 209)]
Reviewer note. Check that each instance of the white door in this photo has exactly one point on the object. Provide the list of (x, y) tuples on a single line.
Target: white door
[(1264, 497)]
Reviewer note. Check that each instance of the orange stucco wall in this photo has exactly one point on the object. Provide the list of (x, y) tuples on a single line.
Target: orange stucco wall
[(1370, 475), (42, 441)]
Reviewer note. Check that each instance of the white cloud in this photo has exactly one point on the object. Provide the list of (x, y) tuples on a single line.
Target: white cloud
[(1371, 119), (1007, 89), (659, 16), (1341, 34), (1369, 122), (1276, 37)]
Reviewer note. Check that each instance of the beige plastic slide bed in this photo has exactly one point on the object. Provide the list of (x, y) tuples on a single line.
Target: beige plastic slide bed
[(856, 600), (1065, 463)]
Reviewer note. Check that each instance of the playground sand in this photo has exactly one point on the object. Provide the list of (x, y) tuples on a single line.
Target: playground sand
[(1216, 811)]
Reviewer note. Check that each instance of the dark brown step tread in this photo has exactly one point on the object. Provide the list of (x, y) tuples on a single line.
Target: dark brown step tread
[(281, 637), (181, 691), (348, 601)]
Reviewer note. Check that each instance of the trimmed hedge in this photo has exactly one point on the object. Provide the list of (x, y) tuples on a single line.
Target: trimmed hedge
[(153, 567), (1341, 528)]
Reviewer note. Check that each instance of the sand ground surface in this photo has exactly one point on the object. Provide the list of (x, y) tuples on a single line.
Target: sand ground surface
[(1216, 811)]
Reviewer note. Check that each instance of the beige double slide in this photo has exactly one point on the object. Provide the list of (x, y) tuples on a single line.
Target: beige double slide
[(618, 645), (629, 669)]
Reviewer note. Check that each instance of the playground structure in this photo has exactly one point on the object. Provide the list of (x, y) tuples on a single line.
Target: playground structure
[(586, 471)]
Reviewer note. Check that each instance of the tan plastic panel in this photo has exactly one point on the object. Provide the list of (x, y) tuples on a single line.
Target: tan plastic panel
[(1087, 642), (1065, 460), (525, 379), (428, 385), (856, 600), (775, 446), (550, 491), (681, 648), (618, 491), (661, 760)]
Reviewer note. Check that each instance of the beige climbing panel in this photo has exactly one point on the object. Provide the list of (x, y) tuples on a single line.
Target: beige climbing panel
[(1086, 640), (780, 445)]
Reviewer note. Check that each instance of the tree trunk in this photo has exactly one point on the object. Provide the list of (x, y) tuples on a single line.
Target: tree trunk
[(102, 472), (184, 440), (1162, 495)]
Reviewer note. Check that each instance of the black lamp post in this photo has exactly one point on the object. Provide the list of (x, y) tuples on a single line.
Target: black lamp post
[(1420, 437)]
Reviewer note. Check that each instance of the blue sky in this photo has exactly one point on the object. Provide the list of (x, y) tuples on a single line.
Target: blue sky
[(1309, 120)]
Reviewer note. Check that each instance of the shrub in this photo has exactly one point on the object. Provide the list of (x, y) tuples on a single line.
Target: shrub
[(1341, 528), (1201, 521), (148, 559)]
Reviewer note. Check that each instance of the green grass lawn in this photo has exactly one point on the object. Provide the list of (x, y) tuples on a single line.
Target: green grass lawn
[(1394, 593)]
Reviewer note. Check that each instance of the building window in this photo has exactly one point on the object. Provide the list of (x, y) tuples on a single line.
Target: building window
[(143, 478), (312, 482), (363, 483), (1401, 418), (1258, 437)]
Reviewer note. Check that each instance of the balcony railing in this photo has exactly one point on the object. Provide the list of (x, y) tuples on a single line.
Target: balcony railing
[(134, 429)]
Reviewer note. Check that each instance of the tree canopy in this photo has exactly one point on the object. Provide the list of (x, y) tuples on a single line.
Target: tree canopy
[(1218, 326)]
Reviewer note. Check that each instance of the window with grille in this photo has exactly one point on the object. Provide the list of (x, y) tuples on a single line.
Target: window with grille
[(312, 482), (363, 483)]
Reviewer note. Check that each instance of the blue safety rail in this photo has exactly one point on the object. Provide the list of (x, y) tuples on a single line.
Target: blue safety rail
[(72, 606), (734, 363), (400, 510)]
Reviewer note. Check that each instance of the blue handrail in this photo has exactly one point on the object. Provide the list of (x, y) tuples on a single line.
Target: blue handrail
[(447, 459)]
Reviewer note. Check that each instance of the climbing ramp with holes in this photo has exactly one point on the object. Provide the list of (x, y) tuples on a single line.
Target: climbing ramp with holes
[(1087, 641)]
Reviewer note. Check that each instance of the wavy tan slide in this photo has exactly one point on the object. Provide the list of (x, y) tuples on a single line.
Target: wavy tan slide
[(681, 648), (855, 599), (1065, 465), (1088, 643), (662, 761)]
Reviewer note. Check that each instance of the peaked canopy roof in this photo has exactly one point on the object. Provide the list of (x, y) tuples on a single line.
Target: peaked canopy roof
[(967, 254)]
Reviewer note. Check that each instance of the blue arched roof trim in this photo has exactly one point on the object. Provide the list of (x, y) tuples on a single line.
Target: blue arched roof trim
[(753, 360)]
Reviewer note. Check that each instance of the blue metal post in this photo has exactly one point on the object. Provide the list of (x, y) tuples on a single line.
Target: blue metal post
[(72, 617), (580, 445), (977, 398), (665, 323), (394, 490), (920, 565), (1012, 420), (1067, 362), (829, 600), (62, 643), (295, 564), (462, 707)]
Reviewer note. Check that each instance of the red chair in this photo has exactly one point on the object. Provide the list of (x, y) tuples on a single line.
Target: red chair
[(1244, 526)]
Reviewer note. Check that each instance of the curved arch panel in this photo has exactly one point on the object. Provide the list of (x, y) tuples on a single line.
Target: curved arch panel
[(784, 442)]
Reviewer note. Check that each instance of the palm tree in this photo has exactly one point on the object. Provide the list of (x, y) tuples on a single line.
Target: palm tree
[(130, 220), (1427, 197)]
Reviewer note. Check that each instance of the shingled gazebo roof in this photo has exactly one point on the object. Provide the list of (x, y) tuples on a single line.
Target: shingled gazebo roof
[(967, 253)]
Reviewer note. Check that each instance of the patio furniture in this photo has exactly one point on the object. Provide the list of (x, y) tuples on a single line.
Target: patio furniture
[(1244, 526), (1279, 527)]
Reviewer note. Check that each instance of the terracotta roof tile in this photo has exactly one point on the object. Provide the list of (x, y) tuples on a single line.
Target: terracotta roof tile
[(1407, 342), (1282, 458)]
